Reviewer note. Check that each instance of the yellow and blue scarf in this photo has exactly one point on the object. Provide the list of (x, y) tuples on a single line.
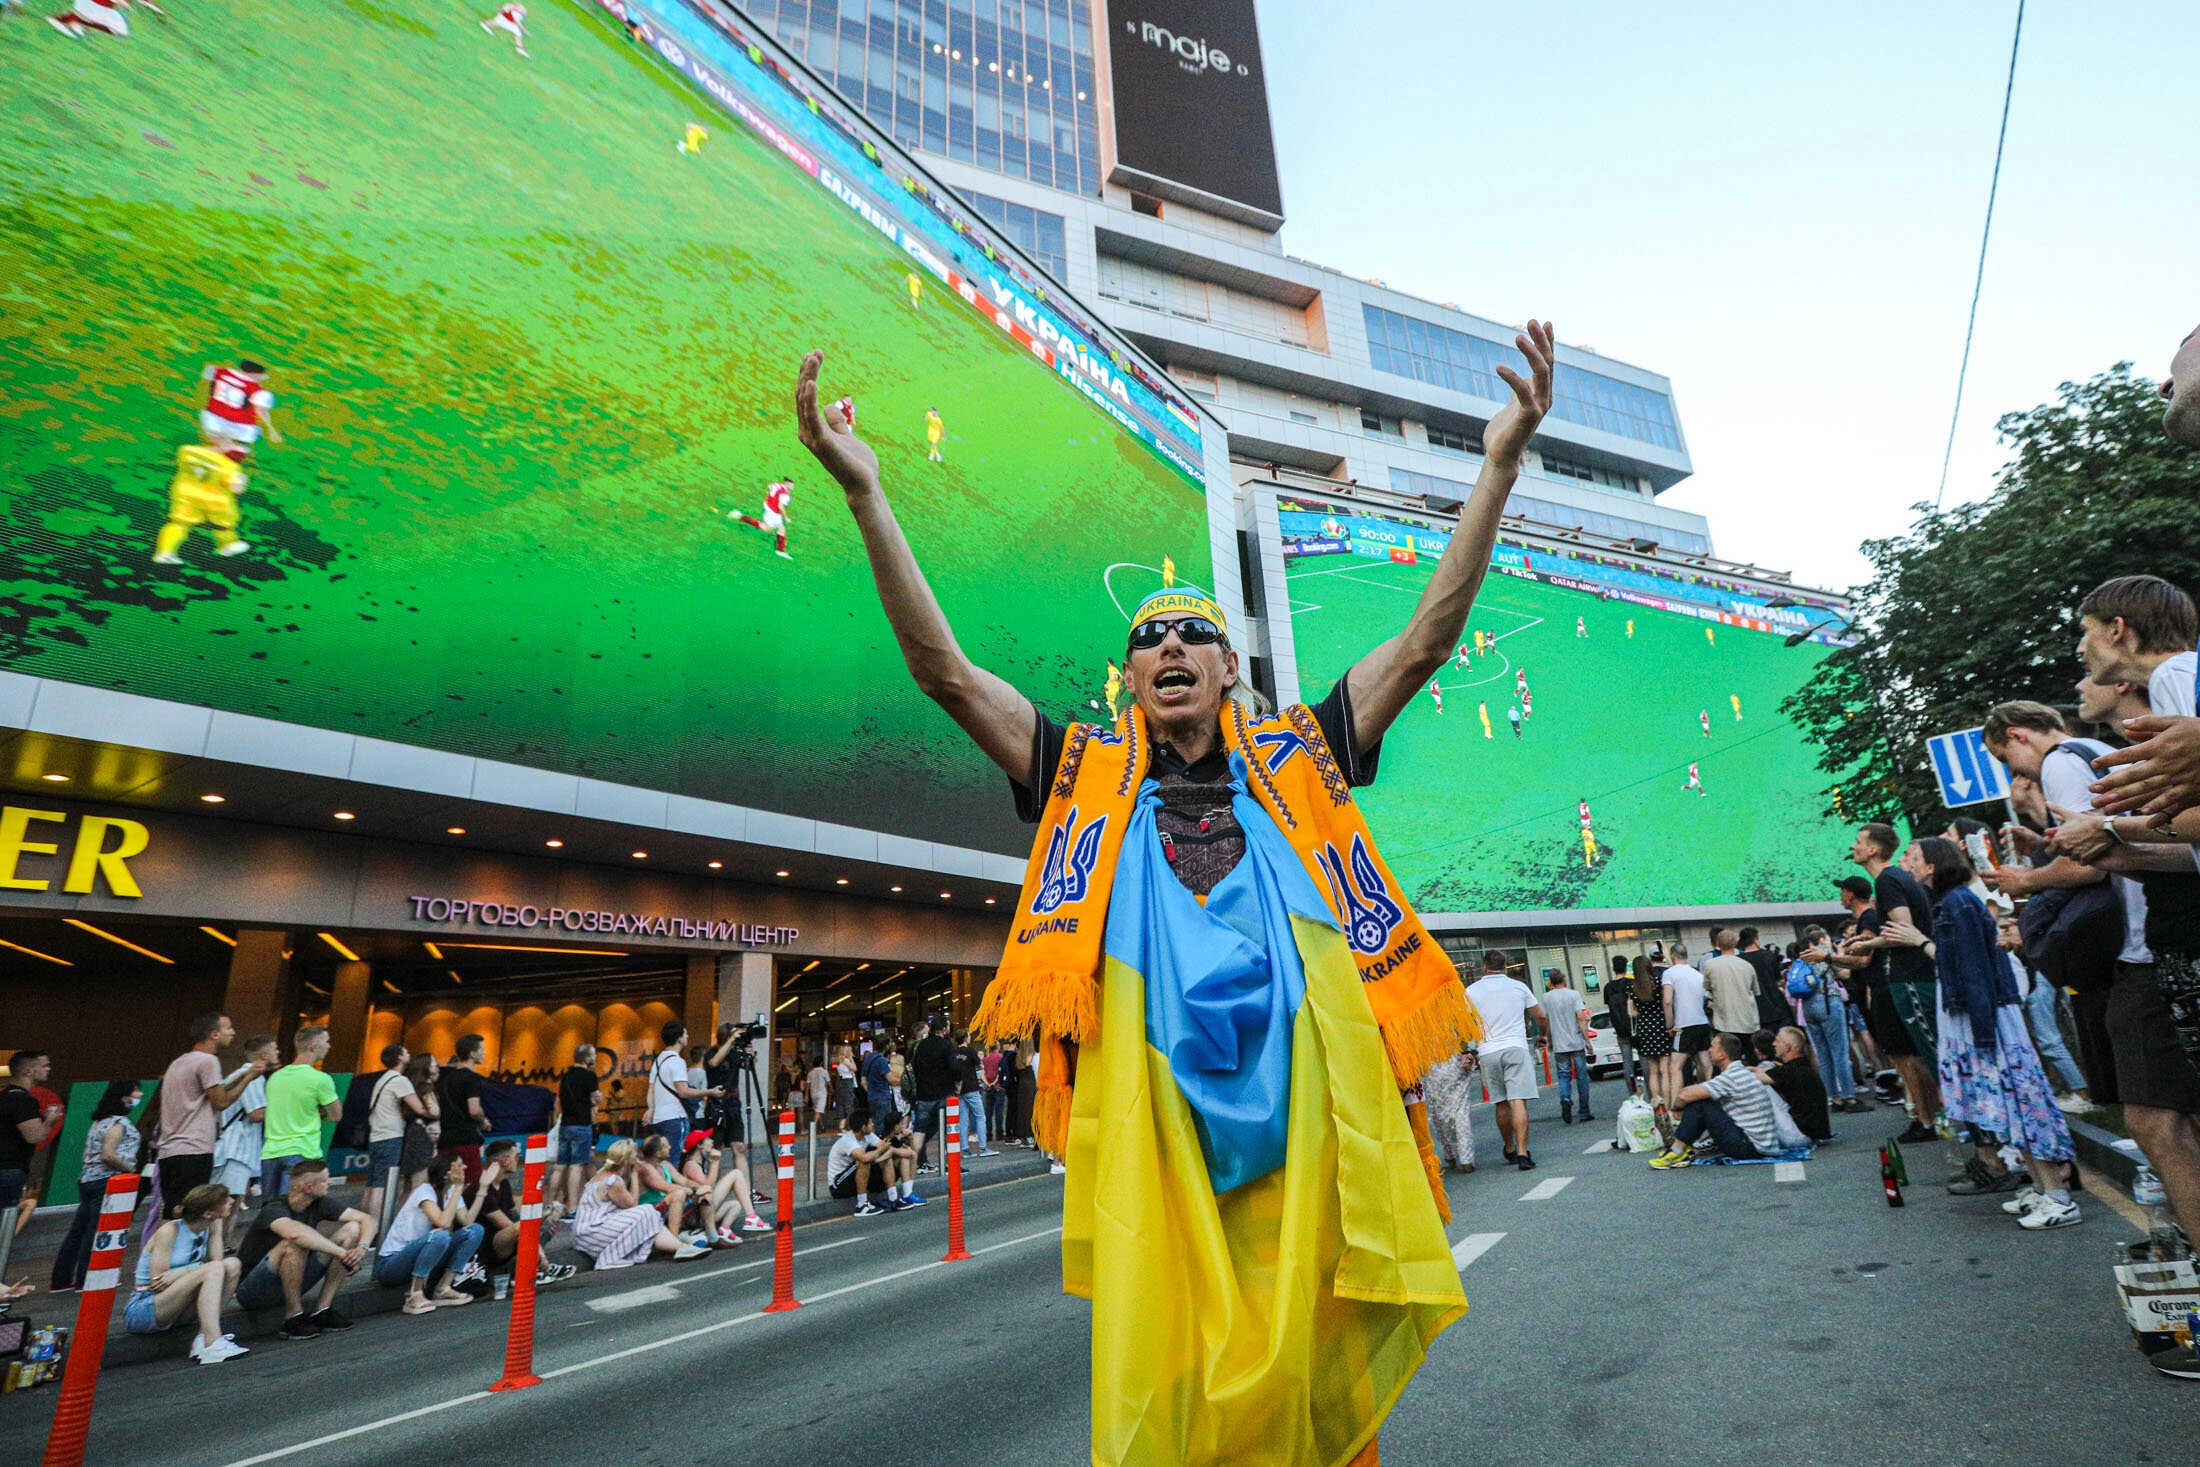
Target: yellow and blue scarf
[(1247, 1204)]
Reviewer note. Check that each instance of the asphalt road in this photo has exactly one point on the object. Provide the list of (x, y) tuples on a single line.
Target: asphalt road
[(1621, 1316)]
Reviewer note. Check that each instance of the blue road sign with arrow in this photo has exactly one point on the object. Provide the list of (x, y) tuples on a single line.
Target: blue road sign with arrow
[(1968, 775)]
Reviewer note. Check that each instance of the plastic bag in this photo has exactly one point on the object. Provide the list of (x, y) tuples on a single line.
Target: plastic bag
[(1638, 1126)]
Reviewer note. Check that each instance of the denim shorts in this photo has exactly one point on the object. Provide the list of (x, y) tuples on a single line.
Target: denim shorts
[(576, 1145), (138, 1316), (382, 1156), (263, 1287)]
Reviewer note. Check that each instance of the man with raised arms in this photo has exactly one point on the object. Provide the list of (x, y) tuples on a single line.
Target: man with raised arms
[(1231, 997)]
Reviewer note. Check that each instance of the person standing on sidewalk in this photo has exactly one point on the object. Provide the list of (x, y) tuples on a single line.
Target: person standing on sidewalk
[(1906, 1023), (1732, 985), (1565, 1018), (1687, 1018), (1774, 1011), (1816, 988), (299, 1098), (237, 1150), (1508, 1012), (970, 1086), (193, 1094), (110, 1150), (931, 1081), (24, 1127)]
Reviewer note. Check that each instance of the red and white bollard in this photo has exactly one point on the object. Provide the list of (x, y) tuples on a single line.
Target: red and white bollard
[(519, 1344), (955, 1249), (783, 1297), (72, 1416)]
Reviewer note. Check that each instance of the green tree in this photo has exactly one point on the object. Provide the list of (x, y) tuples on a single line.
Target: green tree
[(1978, 604)]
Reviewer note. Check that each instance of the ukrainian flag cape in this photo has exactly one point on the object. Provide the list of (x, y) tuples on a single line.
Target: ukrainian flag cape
[(1247, 1204)]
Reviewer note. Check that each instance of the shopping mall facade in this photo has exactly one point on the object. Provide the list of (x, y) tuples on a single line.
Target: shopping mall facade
[(159, 859)]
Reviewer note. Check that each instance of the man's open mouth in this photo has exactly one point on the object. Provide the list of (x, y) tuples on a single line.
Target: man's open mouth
[(1175, 677)]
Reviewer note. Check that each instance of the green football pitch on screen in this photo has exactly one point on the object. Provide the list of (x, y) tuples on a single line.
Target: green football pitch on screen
[(531, 358), (1623, 703)]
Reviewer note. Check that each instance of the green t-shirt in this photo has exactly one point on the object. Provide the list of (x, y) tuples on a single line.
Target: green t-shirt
[(295, 1095)]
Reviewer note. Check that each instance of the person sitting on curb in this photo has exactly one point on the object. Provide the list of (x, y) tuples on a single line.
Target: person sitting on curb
[(301, 1239), (1733, 1105), (490, 1203), (431, 1234), (662, 1186), (183, 1269), (613, 1227)]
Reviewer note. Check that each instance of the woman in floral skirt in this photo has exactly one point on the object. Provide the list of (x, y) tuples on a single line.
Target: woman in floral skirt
[(1990, 1075)]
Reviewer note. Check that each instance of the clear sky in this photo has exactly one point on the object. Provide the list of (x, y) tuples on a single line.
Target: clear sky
[(1778, 207)]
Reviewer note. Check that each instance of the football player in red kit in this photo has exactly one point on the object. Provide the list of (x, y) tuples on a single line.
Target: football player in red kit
[(774, 521)]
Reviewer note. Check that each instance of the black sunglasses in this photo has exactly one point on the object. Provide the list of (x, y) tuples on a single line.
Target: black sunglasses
[(1192, 631)]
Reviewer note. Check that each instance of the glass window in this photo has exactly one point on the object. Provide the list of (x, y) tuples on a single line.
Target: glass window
[(1560, 516), (1041, 235), (1437, 354)]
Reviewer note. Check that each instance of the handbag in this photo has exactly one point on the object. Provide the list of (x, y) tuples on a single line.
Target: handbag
[(419, 1147)]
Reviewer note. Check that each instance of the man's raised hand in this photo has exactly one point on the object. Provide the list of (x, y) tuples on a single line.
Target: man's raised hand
[(827, 436), (1506, 438)]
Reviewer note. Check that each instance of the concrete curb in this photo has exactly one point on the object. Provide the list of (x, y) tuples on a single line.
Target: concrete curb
[(363, 1297), (2098, 1150)]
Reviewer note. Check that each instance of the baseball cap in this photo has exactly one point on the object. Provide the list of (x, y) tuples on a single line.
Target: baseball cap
[(1855, 886)]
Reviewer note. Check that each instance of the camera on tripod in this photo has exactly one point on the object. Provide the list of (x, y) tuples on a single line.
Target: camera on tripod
[(743, 1035)]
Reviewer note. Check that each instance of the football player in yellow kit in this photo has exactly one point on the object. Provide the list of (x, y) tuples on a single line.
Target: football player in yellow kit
[(203, 492)]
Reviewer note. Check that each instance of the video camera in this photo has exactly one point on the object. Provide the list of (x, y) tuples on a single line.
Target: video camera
[(743, 1035)]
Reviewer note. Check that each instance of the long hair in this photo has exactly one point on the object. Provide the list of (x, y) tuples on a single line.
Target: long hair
[(1951, 867), (1646, 982), (115, 1099)]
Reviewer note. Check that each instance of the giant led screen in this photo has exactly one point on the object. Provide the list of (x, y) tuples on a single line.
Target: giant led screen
[(527, 288), (1606, 735)]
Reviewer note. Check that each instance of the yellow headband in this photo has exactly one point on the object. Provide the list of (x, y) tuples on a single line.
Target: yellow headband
[(1179, 603)]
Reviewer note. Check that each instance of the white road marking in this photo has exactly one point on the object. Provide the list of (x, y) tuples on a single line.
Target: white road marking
[(669, 1291), (1473, 1246), (1545, 1190), (1599, 1149), (1787, 1171), (642, 1349)]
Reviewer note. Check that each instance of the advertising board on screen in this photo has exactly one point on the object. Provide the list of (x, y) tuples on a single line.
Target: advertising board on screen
[(1191, 106), (425, 372), (1607, 734)]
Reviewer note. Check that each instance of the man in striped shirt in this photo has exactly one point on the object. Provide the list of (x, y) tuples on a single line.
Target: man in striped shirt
[(1733, 1105)]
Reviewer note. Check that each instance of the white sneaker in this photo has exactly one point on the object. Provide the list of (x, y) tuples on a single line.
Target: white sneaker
[(168, 558), (688, 1251), (234, 547), (2048, 1213), (2028, 1196), (865, 1209), (1056, 1169), (225, 1348), (2072, 1105)]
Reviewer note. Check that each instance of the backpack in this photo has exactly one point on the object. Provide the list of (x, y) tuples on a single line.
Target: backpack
[(1802, 981), (359, 1100)]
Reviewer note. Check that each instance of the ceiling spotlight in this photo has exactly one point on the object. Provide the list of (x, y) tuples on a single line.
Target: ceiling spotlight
[(893, 888), (454, 830), (55, 778), (989, 901), (945, 895), (345, 815), (553, 844), (779, 873), (641, 855), (840, 881), (212, 799), (717, 865)]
